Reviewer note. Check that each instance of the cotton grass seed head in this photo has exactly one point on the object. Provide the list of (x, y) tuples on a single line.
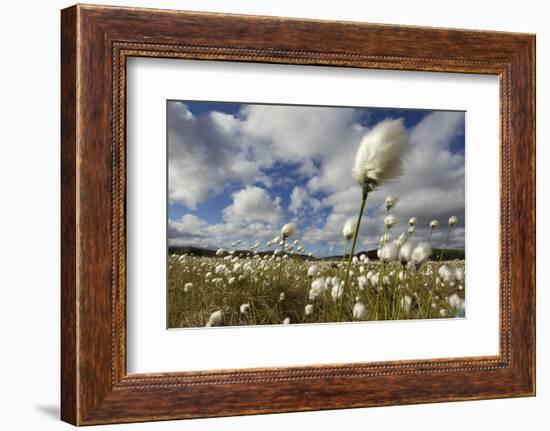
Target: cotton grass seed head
[(390, 221), (389, 252), (380, 155), (390, 202), (244, 309), (288, 230), (313, 271), (337, 291), (215, 319), (359, 311), (317, 288), (308, 310), (421, 253), (349, 228), (459, 275), (453, 220), (406, 302), (286, 321), (434, 224), (405, 252), (446, 274)]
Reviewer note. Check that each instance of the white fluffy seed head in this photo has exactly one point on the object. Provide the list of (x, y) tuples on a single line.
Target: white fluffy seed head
[(421, 253), (406, 302), (286, 321), (434, 224), (313, 271), (375, 279), (459, 274), (317, 288), (390, 202), (389, 252), (401, 239), (359, 311), (187, 287), (244, 309), (349, 228), (412, 221), (337, 291), (288, 230), (405, 252), (454, 301), (390, 221), (308, 310), (361, 282), (453, 220), (215, 319), (380, 155), (446, 274)]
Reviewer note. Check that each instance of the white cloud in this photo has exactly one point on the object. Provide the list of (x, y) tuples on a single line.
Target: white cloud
[(301, 201), (253, 204), (252, 216), (204, 155)]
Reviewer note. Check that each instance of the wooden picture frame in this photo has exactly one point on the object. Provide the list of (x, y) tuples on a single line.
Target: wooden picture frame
[(95, 43)]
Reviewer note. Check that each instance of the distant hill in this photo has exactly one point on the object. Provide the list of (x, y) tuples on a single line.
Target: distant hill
[(198, 251), (448, 254)]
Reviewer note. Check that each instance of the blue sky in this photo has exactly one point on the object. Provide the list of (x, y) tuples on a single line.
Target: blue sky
[(240, 171)]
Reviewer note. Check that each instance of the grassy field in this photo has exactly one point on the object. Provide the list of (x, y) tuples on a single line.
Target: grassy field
[(232, 290)]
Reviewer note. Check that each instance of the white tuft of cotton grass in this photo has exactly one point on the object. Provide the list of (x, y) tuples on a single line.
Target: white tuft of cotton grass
[(359, 311), (380, 155), (288, 230), (317, 288), (215, 318), (390, 221), (421, 253), (405, 253), (349, 228), (453, 220), (446, 274), (390, 202), (313, 271), (244, 309), (389, 252), (337, 291)]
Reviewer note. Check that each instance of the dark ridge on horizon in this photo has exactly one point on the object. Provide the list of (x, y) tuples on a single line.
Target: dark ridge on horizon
[(446, 254)]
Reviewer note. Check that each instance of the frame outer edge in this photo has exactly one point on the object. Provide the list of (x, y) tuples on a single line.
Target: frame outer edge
[(88, 397), (69, 195)]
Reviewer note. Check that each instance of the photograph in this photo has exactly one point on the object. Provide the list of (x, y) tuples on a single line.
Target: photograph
[(294, 214)]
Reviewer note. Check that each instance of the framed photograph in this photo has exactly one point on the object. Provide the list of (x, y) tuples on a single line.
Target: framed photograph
[(264, 215)]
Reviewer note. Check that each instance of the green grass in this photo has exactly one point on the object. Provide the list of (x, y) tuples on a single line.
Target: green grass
[(263, 277)]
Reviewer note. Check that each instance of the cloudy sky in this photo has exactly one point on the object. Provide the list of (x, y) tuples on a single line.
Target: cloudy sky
[(240, 171)]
